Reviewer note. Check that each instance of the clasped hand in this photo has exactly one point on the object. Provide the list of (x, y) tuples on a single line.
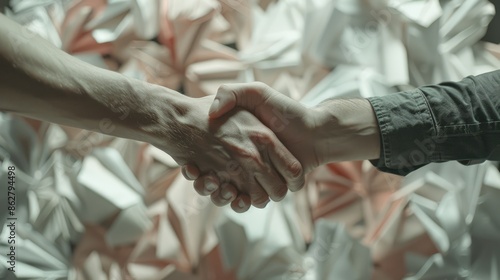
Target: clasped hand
[(257, 147)]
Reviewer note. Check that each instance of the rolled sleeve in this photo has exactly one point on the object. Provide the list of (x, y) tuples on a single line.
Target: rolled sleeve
[(407, 130), (437, 123)]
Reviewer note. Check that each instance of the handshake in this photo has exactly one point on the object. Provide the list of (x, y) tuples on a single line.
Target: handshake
[(251, 144), (257, 143)]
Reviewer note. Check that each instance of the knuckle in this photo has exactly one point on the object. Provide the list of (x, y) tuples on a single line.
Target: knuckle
[(263, 137), (233, 168), (260, 85), (297, 186), (225, 89), (258, 197), (217, 201), (199, 186), (249, 153), (223, 176), (237, 209), (295, 169), (279, 193)]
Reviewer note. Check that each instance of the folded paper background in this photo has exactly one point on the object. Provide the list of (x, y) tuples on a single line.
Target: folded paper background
[(91, 206)]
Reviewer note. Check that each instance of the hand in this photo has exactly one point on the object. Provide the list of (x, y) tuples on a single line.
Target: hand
[(335, 130), (292, 123), (236, 149), (233, 150)]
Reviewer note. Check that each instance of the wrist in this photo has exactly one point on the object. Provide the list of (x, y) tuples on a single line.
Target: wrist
[(346, 130), (173, 122), (139, 111)]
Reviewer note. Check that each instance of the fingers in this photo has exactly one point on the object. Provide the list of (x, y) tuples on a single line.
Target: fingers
[(278, 171), (224, 195), (276, 189), (282, 164), (206, 185), (271, 107), (241, 203), (287, 165), (248, 96), (252, 159), (269, 178), (190, 172)]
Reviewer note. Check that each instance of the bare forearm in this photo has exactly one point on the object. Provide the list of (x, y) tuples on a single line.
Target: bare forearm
[(347, 130), (43, 82)]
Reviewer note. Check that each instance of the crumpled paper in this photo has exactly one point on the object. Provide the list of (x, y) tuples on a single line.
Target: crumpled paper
[(36, 256), (57, 193), (420, 227), (179, 242), (347, 81), (362, 33), (261, 243), (109, 190), (100, 25), (38, 17), (371, 206), (45, 196), (46, 206), (440, 37), (428, 212), (466, 235), (408, 42), (334, 254), (189, 57), (200, 64), (273, 51)]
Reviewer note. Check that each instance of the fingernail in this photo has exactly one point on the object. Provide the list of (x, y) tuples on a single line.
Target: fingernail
[(210, 186), (190, 175), (227, 195), (241, 203), (214, 107), (280, 198), (262, 205)]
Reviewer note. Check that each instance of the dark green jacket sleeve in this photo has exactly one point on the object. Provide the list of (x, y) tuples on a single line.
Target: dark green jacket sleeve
[(450, 121)]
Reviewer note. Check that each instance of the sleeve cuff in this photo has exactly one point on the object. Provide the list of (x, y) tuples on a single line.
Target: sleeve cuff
[(407, 128)]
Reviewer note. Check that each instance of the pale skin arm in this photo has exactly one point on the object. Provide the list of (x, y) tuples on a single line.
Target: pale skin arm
[(42, 82), (336, 130)]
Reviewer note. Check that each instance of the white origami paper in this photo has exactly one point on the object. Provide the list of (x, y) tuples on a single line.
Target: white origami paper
[(335, 255), (37, 17), (493, 48), (179, 245), (274, 48), (259, 244), (426, 213), (447, 215), (235, 23), (99, 25), (45, 196), (185, 58), (36, 256), (347, 81), (191, 217), (439, 41), (108, 188), (362, 33), (154, 169), (142, 220)]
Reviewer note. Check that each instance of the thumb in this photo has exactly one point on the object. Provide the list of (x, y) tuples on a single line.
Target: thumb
[(248, 96)]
